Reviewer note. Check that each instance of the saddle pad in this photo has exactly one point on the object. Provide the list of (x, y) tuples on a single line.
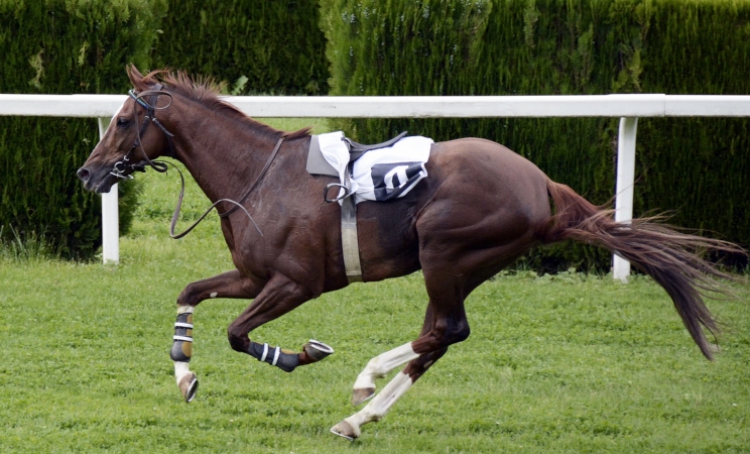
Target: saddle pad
[(316, 163), (382, 174)]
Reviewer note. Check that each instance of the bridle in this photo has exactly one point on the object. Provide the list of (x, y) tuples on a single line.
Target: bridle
[(120, 167)]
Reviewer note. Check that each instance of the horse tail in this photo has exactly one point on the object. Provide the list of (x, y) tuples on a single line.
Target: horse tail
[(669, 256)]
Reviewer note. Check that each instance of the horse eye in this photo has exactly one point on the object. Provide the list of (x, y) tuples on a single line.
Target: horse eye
[(122, 122)]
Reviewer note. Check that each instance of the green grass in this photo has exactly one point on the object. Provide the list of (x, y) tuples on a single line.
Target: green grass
[(566, 363)]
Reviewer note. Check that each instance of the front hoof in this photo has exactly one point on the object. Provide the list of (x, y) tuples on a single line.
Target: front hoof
[(361, 395), (346, 430), (317, 350), (189, 386)]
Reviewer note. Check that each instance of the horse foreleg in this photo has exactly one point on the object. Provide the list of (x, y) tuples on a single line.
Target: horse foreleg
[(377, 408), (182, 352), (226, 285), (279, 296)]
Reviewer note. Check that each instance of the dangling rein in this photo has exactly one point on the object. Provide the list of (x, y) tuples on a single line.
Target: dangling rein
[(162, 166), (237, 205)]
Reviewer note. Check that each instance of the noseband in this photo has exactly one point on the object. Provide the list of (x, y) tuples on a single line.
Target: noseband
[(126, 165)]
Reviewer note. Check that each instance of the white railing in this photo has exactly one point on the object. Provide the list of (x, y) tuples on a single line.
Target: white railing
[(626, 107)]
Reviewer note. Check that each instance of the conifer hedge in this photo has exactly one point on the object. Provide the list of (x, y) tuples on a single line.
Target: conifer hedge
[(59, 47), (696, 168), (255, 46)]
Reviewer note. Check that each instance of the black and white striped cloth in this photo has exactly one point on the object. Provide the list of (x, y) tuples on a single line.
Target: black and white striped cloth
[(379, 175)]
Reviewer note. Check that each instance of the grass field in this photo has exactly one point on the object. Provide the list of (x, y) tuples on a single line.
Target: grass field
[(567, 363)]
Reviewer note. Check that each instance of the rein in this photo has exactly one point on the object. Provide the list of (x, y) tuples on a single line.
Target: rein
[(125, 164), (255, 183), (237, 205)]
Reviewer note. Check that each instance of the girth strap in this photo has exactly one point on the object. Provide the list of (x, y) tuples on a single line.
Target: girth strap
[(349, 240)]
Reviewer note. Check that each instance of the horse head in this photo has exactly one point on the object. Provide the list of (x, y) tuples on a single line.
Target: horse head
[(130, 143)]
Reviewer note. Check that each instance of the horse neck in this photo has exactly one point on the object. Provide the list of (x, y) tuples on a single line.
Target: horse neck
[(223, 155)]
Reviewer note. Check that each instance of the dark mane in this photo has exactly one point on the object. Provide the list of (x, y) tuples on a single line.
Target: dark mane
[(206, 91)]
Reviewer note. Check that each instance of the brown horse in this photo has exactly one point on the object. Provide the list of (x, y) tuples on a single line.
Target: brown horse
[(481, 207)]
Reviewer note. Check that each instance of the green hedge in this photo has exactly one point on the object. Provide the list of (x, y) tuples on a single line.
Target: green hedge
[(696, 168), (256, 46), (58, 47)]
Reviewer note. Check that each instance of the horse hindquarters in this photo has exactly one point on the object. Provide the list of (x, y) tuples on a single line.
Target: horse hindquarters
[(478, 212), (666, 255)]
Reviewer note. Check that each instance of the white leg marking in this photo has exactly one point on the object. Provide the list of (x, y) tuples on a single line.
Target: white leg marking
[(181, 369), (384, 363), (214, 294), (379, 406), (185, 309)]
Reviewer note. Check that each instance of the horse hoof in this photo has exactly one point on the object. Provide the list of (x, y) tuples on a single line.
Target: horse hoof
[(361, 395), (317, 350), (346, 430), (188, 386)]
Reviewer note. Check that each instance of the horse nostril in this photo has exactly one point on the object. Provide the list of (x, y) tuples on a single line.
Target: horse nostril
[(83, 174)]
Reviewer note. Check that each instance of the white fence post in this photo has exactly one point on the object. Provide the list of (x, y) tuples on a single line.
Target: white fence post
[(110, 216), (624, 190)]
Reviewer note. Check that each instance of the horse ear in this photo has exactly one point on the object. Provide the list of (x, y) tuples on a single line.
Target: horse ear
[(134, 75)]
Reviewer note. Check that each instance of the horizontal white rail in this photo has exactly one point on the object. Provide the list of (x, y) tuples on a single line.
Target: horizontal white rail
[(627, 106)]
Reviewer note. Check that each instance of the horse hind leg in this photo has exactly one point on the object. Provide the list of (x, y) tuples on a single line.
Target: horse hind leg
[(445, 324), (350, 428), (381, 365), (454, 265), (378, 367)]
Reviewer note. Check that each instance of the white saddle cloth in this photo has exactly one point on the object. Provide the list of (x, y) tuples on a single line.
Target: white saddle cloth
[(382, 174)]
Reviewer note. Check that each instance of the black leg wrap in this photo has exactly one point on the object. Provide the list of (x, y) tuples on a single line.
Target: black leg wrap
[(182, 348), (285, 360)]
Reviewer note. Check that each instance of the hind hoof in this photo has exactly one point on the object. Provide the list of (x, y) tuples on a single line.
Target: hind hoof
[(361, 395), (189, 386), (346, 430)]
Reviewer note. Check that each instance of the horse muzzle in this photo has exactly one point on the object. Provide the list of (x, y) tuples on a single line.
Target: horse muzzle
[(96, 181)]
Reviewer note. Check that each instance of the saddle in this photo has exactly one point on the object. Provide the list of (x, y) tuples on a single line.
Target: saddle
[(356, 150), (317, 165)]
